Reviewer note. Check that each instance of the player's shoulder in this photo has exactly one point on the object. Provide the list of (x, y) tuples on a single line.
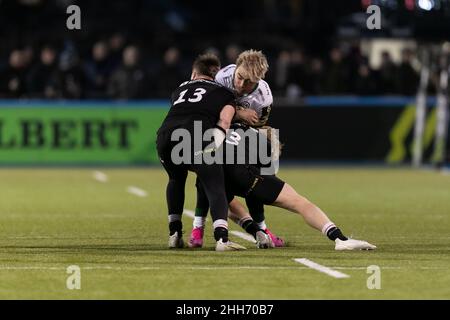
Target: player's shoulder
[(228, 70), (209, 85), (265, 92), (224, 75), (202, 82)]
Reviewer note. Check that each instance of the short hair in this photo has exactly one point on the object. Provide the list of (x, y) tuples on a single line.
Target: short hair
[(254, 62), (207, 64)]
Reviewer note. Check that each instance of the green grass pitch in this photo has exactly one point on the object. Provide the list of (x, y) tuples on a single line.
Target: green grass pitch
[(53, 218)]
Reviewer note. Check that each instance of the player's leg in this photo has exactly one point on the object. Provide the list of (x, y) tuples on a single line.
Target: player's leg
[(240, 216), (236, 212), (175, 203), (201, 211), (256, 209), (174, 190), (213, 182), (289, 199), (273, 191), (241, 180)]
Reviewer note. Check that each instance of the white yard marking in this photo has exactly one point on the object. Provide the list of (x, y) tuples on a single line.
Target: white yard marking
[(106, 267), (244, 236), (30, 268), (189, 213), (100, 176), (137, 191), (323, 269)]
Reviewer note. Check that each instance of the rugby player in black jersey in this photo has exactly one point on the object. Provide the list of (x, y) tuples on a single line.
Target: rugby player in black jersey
[(198, 102)]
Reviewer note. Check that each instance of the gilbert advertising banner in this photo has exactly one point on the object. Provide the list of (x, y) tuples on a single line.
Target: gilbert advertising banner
[(345, 129), (71, 133)]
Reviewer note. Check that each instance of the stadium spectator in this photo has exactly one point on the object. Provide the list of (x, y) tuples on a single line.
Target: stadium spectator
[(116, 44), (129, 81), (386, 80), (281, 72), (71, 77), (337, 73), (170, 74), (316, 77), (407, 79), (12, 79), (98, 70), (364, 81), (232, 52), (297, 71), (43, 78), (28, 56)]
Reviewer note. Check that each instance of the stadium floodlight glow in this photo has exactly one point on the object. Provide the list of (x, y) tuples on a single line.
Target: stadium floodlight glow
[(426, 5)]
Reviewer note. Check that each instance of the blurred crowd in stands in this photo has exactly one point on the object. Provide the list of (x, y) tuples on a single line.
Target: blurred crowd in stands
[(119, 70), (143, 49)]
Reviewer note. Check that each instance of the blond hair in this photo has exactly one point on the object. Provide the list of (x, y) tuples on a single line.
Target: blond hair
[(255, 64)]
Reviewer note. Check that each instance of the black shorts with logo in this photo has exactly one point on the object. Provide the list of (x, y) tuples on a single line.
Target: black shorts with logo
[(246, 181)]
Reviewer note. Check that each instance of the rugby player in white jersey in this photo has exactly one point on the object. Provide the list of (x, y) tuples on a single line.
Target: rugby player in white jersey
[(254, 101)]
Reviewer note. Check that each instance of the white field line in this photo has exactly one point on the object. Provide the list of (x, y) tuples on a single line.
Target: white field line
[(106, 267), (62, 236), (189, 213), (244, 236), (445, 172), (137, 191), (100, 176), (146, 268), (323, 269)]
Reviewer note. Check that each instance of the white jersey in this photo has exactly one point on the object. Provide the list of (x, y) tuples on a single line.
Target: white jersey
[(259, 99)]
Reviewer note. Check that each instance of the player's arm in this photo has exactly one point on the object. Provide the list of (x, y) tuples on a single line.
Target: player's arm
[(248, 116), (224, 123), (266, 106), (226, 116), (265, 113)]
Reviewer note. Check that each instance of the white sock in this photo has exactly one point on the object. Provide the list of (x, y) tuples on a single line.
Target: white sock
[(243, 220), (174, 217), (327, 227), (220, 223), (199, 222), (262, 224)]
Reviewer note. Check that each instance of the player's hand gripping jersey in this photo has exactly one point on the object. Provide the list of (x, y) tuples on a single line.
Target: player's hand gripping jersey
[(259, 99)]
